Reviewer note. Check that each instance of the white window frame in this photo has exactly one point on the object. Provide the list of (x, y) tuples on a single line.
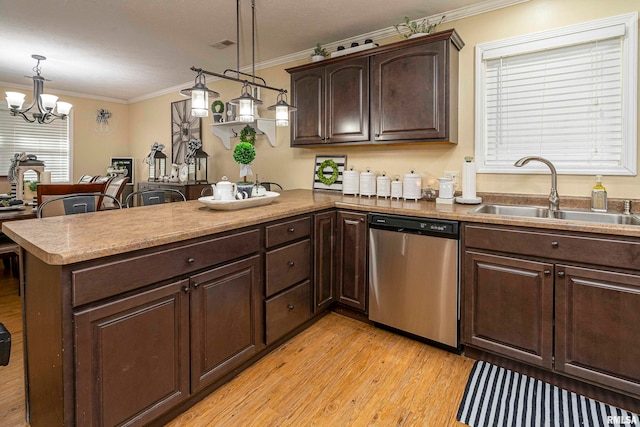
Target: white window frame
[(68, 121), (623, 25)]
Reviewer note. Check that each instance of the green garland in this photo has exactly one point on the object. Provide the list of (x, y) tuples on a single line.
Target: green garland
[(334, 174)]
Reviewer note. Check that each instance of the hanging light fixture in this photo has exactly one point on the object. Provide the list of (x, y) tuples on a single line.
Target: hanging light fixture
[(199, 94), (246, 102), (46, 103), (282, 109)]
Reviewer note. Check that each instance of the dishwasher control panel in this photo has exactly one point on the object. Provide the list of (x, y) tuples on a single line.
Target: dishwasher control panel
[(417, 225)]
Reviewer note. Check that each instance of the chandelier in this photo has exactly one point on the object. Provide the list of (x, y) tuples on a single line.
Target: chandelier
[(246, 101), (46, 104)]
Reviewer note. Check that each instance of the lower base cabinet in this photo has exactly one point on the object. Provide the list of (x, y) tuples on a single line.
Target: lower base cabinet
[(139, 356), (351, 255), (132, 357), (566, 302)]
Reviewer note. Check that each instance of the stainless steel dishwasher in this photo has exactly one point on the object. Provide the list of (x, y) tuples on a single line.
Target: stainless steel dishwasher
[(413, 276)]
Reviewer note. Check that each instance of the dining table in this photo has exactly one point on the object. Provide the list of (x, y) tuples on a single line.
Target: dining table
[(16, 214)]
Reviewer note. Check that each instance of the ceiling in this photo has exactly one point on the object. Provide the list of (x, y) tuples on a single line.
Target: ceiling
[(124, 50)]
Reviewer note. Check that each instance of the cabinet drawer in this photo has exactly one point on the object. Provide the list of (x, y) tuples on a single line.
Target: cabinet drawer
[(597, 250), (288, 266), (289, 231), (288, 310), (97, 282)]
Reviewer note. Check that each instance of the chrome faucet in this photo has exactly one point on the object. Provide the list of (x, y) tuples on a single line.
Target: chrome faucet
[(554, 199)]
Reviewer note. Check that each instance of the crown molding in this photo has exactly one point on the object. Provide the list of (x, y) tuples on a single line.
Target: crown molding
[(64, 92)]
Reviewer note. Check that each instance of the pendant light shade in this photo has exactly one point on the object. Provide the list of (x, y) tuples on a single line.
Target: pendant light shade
[(199, 94), (246, 103), (282, 109)]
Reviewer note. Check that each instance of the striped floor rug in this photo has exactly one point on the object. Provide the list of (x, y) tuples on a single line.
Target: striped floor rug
[(496, 396)]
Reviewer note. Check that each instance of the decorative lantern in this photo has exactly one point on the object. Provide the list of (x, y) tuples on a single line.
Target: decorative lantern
[(198, 167), (157, 162)]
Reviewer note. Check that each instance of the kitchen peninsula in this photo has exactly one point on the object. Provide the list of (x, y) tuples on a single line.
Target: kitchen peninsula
[(121, 307)]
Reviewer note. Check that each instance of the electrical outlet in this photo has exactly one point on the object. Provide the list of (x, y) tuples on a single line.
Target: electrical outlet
[(453, 175)]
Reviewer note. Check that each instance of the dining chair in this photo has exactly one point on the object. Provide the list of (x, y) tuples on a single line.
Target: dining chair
[(71, 204), (47, 191), (154, 196), (208, 190), (267, 185), (85, 179)]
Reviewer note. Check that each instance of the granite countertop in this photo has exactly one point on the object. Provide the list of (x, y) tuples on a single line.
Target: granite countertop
[(70, 239)]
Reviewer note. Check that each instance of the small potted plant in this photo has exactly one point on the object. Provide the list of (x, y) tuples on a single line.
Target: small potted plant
[(217, 107), (416, 28), (244, 154), (319, 53)]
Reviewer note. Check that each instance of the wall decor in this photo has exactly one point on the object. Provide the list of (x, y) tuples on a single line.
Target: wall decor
[(184, 128), (328, 171), (104, 122), (126, 163)]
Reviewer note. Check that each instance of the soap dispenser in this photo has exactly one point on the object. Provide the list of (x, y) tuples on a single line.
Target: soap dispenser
[(599, 196)]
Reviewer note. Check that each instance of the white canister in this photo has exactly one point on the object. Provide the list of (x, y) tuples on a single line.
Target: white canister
[(350, 182), (383, 186), (412, 186), (396, 188), (368, 183)]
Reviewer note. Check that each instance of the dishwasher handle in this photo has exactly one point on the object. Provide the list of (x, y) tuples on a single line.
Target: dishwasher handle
[(414, 225)]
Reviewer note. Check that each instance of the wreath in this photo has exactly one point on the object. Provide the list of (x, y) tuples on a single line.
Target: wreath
[(217, 104), (248, 134), (327, 180)]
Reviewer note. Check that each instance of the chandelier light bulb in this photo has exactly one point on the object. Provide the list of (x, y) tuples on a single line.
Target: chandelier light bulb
[(15, 99), (48, 101)]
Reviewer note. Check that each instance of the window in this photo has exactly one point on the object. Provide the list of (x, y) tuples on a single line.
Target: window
[(569, 95), (50, 142)]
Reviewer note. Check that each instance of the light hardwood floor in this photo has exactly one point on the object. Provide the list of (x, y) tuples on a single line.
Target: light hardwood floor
[(339, 372)]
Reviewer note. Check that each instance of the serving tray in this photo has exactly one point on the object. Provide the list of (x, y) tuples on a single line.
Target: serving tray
[(230, 205)]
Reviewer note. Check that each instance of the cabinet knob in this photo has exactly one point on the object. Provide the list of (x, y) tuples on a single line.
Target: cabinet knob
[(361, 219), (191, 260), (560, 273), (291, 229), (290, 307), (554, 244), (547, 272), (291, 263), (186, 289), (195, 285)]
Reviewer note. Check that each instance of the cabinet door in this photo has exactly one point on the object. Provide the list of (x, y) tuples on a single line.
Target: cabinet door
[(324, 230), (413, 106), (508, 305), (347, 101), (226, 320), (307, 94), (132, 357), (351, 255), (597, 320)]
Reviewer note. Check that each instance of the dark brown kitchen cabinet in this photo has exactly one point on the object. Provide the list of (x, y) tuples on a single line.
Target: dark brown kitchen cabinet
[(397, 93), (509, 305), (414, 93), (324, 238), (132, 357), (351, 259), (226, 319), (332, 104), (563, 301), (596, 326)]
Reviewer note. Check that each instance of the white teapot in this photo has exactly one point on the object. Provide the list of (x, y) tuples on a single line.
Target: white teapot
[(225, 190)]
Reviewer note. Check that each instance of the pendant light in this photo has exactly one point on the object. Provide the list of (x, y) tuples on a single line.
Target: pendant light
[(246, 102), (282, 109), (199, 94)]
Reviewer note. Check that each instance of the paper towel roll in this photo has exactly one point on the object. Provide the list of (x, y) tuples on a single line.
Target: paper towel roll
[(469, 180)]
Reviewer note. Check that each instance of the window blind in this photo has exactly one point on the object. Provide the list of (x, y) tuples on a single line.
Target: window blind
[(567, 95), (50, 142)]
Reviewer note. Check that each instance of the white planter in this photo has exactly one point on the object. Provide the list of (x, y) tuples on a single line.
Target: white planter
[(316, 58), (416, 35)]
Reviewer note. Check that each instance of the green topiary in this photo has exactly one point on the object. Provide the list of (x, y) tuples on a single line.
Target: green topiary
[(244, 153), (219, 105)]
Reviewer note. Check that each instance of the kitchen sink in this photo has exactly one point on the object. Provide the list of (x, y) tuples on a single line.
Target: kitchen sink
[(601, 217), (512, 210), (569, 215)]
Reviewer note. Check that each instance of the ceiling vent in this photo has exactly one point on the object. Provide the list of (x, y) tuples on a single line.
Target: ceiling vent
[(223, 44)]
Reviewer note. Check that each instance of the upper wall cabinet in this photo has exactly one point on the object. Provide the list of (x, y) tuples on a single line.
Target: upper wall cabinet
[(398, 93)]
